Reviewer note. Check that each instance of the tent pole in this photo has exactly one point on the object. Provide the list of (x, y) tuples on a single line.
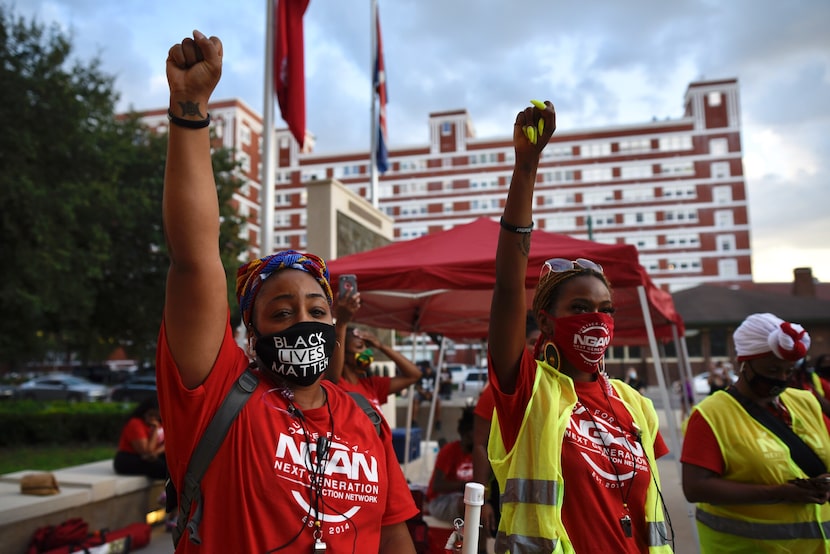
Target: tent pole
[(435, 390), (658, 369), (685, 368), (410, 393)]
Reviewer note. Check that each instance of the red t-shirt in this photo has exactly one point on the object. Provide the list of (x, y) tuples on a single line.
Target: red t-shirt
[(486, 403), (135, 429), (375, 388), (456, 464), (603, 465), (257, 488), (701, 448)]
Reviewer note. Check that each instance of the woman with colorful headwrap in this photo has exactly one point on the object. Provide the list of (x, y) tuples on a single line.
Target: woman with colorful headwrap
[(755, 455), (302, 468), (574, 452)]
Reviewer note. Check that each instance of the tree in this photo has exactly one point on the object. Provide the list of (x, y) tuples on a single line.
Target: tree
[(84, 259)]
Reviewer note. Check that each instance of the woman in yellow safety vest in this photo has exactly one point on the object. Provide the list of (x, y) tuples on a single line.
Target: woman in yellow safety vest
[(755, 456), (574, 452)]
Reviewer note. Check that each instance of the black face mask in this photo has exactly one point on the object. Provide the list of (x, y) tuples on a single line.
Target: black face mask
[(765, 387), (299, 354)]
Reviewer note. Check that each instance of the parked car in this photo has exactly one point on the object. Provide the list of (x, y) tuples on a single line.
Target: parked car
[(59, 386), (474, 381), (458, 373), (137, 388)]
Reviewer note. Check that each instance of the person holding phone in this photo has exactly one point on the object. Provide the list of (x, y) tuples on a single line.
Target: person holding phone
[(358, 353), (755, 455)]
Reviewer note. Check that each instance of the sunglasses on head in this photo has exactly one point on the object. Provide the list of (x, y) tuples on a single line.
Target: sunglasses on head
[(558, 265)]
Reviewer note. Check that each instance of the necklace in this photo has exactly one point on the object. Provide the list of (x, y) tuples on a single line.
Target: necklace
[(316, 472), (625, 519)]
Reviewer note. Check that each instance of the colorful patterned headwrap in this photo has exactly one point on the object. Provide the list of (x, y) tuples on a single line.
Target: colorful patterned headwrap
[(251, 275)]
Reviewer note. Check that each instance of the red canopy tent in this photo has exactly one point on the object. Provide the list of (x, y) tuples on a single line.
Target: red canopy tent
[(443, 282)]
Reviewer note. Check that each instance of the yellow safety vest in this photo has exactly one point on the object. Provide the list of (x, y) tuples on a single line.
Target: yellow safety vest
[(754, 454), (530, 474)]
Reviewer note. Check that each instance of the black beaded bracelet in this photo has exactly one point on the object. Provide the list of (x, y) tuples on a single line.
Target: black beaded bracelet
[(188, 123), (514, 229)]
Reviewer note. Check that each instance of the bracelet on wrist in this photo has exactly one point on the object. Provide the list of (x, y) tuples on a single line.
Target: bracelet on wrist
[(514, 228), (188, 123)]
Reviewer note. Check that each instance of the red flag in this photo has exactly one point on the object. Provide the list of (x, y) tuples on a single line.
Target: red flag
[(289, 65), (379, 80)]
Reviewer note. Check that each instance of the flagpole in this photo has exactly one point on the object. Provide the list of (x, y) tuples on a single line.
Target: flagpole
[(373, 168), (266, 230)]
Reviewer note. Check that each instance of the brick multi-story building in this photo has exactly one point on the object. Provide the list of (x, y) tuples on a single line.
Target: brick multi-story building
[(674, 188)]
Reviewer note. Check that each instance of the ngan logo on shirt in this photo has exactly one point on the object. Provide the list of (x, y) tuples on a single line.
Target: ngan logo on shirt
[(351, 476)]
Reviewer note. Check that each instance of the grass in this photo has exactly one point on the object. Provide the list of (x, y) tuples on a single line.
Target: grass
[(50, 458)]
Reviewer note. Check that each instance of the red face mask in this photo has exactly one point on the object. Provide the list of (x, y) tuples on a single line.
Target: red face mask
[(582, 339)]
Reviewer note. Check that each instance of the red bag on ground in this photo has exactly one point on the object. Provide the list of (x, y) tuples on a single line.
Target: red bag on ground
[(72, 531)]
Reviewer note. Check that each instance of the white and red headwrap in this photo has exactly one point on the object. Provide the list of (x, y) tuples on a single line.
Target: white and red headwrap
[(761, 334)]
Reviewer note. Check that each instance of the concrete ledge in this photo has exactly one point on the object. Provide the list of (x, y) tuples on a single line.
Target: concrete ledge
[(91, 491)]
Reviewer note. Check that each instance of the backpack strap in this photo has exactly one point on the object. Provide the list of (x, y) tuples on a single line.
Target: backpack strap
[(370, 410), (202, 456)]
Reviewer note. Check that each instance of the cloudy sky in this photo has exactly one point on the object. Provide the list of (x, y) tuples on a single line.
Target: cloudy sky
[(601, 62)]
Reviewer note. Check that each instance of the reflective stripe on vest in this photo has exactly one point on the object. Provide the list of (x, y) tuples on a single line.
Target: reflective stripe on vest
[(518, 544), (657, 535), (764, 531), (531, 491)]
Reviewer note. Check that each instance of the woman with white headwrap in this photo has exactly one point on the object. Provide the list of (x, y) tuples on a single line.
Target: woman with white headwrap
[(755, 456)]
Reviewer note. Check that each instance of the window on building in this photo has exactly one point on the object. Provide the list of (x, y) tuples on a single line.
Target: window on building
[(594, 174), (563, 198), (718, 146), (596, 197), (682, 240), (725, 243), (636, 171), (284, 141), (728, 267), (557, 151), (639, 218), (560, 223), (715, 98), (559, 176), (642, 242), (720, 170), (672, 143), (684, 264), (724, 218), (722, 195), (595, 149), (677, 168), (244, 162), (448, 207), (245, 135), (630, 146), (680, 190), (635, 193), (446, 128)]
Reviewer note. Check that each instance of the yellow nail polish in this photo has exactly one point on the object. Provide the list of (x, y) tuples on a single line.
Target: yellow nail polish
[(531, 134), (524, 130), (541, 126), (538, 104)]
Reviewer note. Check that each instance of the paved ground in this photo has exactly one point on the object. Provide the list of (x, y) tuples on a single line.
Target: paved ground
[(680, 512)]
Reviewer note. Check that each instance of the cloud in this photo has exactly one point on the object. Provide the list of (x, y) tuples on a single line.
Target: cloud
[(605, 63)]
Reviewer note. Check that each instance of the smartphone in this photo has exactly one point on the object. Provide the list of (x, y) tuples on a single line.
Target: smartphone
[(348, 285)]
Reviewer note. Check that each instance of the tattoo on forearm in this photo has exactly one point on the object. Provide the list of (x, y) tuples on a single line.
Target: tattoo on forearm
[(524, 244), (190, 108)]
